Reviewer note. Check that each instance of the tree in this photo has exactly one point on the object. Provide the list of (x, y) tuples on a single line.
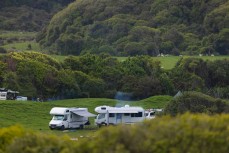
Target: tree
[(222, 43)]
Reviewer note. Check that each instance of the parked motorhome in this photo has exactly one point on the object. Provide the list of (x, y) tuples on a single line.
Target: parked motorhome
[(3, 95), (7, 94), (119, 115), (67, 118)]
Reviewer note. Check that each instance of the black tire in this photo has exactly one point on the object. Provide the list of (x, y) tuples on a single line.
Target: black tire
[(62, 128), (102, 124), (81, 126)]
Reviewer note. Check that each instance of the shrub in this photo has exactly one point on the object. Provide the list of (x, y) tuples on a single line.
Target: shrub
[(186, 133), (196, 103), (3, 50)]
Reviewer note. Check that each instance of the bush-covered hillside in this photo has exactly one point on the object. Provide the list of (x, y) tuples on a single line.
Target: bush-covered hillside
[(28, 15), (140, 27), (39, 75)]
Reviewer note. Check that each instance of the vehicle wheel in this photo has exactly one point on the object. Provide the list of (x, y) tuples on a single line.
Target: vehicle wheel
[(102, 124), (62, 128), (81, 127)]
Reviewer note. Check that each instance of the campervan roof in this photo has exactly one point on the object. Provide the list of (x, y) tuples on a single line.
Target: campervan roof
[(125, 109), (78, 111), (58, 111)]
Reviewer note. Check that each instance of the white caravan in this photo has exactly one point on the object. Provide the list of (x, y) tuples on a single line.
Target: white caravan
[(3, 95), (119, 115), (66, 118)]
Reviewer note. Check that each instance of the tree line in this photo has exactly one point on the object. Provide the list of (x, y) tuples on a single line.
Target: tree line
[(139, 27), (39, 75)]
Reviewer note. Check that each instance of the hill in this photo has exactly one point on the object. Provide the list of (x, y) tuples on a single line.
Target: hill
[(28, 15), (139, 27)]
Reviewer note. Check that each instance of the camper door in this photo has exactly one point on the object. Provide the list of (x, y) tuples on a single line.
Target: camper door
[(118, 118)]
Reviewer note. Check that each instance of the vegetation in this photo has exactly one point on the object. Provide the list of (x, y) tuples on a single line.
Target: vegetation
[(196, 103), (39, 75), (23, 46), (28, 15), (139, 27), (201, 133)]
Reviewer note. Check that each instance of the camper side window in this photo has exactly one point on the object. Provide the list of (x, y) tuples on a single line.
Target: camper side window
[(139, 114), (111, 115)]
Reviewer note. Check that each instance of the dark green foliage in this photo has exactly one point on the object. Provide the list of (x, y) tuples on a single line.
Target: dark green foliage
[(3, 50), (197, 74), (222, 41), (28, 15), (218, 73), (38, 75), (196, 103), (133, 27)]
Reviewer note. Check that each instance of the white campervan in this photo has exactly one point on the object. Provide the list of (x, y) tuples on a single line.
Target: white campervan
[(119, 115), (3, 95), (66, 118)]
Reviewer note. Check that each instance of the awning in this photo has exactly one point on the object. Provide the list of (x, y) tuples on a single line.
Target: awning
[(123, 111), (83, 113)]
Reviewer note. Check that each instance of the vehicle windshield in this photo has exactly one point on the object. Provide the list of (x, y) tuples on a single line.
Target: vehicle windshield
[(58, 117), (100, 116)]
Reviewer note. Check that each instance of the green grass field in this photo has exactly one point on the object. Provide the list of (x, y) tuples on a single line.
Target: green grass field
[(23, 46), (35, 115), (169, 62), (17, 34)]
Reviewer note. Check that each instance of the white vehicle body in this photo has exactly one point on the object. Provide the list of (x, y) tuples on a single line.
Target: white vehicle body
[(151, 113), (66, 118), (3, 95), (21, 98), (119, 115)]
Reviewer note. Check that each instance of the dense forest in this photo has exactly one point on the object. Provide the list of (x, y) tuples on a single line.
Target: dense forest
[(38, 75), (139, 27), (28, 15)]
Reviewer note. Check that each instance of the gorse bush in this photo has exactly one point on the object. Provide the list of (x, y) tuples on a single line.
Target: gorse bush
[(185, 133)]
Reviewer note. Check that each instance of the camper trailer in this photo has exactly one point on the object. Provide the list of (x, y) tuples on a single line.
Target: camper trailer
[(67, 118), (119, 115), (3, 95)]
